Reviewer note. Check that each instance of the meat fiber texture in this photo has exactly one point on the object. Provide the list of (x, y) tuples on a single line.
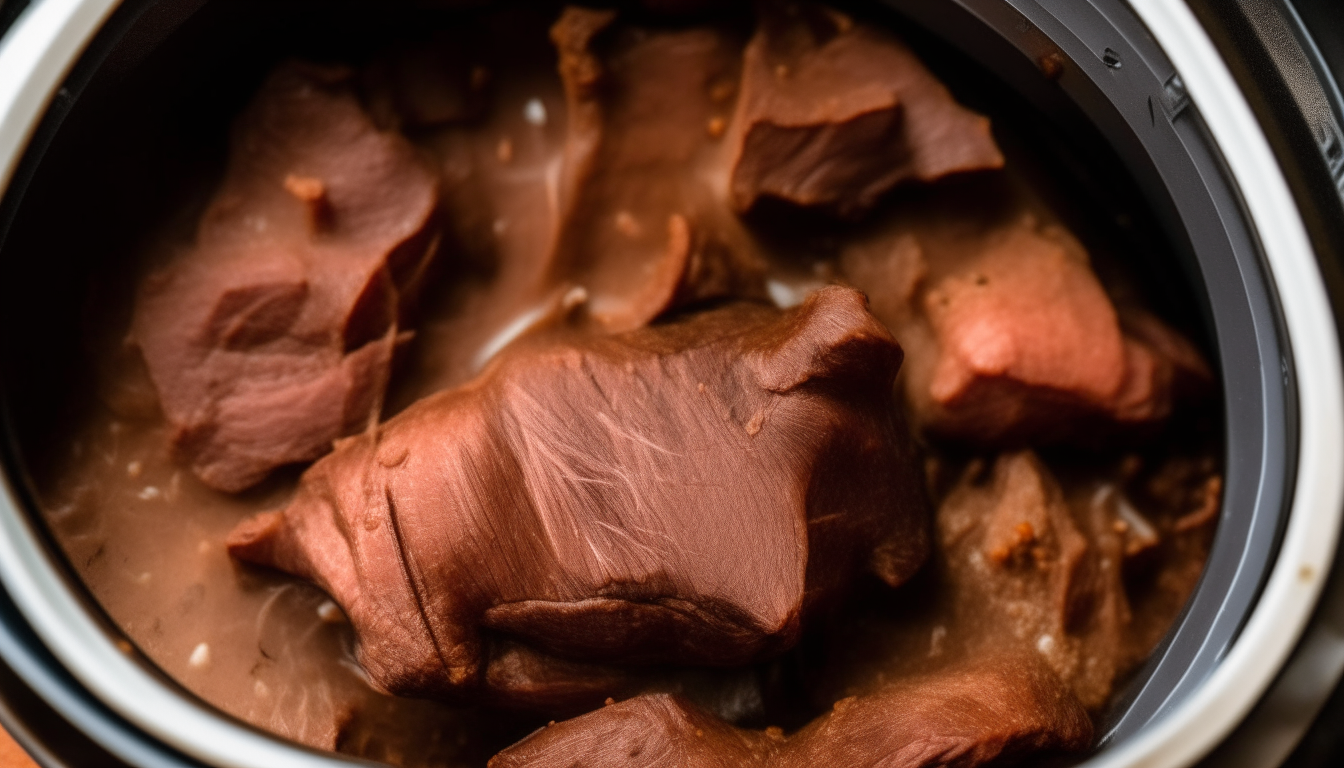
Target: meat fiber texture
[(982, 713), (1010, 337), (273, 334), (834, 113), (684, 493)]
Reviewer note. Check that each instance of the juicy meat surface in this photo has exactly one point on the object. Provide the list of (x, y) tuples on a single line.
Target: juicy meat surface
[(643, 225), (681, 493), (834, 113), (1010, 337), (273, 334), (969, 716)]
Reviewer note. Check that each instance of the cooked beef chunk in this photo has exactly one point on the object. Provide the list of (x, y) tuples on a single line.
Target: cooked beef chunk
[(1085, 570), (1010, 337), (834, 113), (978, 714), (273, 333), (1024, 570), (642, 227), (681, 493)]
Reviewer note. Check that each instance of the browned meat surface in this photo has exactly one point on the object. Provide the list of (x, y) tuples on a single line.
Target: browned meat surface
[(1010, 337), (642, 227), (835, 113), (1084, 573), (1031, 565), (1025, 570), (681, 493), (273, 334), (995, 709)]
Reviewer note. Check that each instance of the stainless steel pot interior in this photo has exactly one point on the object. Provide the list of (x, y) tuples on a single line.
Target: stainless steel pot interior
[(139, 123)]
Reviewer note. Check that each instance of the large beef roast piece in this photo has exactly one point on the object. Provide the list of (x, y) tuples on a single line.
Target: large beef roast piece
[(682, 493)]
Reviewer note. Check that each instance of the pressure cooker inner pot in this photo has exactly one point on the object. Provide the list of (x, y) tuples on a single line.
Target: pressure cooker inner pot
[(1085, 546)]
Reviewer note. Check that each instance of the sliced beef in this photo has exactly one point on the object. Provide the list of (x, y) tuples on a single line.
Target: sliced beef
[(522, 678), (273, 333), (1010, 337), (834, 113), (642, 228), (984, 712), (979, 714), (681, 493)]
